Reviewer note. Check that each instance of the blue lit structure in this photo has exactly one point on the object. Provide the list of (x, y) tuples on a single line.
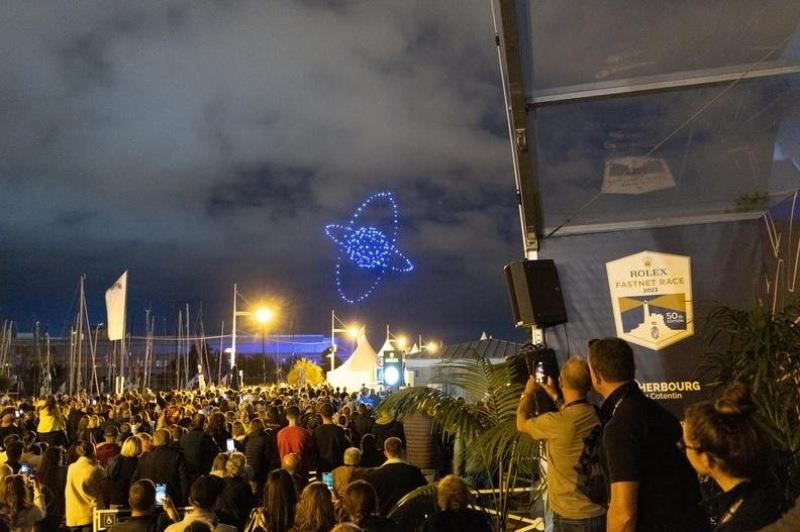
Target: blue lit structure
[(367, 247), (284, 346)]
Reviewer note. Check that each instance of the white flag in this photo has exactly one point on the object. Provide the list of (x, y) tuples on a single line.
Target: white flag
[(115, 307)]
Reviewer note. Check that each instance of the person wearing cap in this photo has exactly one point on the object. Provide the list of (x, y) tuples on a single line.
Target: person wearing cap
[(109, 448)]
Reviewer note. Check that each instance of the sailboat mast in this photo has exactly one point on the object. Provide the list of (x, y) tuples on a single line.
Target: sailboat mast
[(188, 348), (220, 355), (79, 336)]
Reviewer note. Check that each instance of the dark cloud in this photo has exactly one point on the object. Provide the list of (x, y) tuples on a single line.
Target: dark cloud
[(201, 144)]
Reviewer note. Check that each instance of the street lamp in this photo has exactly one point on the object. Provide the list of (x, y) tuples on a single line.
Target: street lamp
[(352, 331), (401, 341), (431, 347), (263, 315)]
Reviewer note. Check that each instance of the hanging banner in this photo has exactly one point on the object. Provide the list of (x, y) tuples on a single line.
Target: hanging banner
[(115, 307), (651, 297)]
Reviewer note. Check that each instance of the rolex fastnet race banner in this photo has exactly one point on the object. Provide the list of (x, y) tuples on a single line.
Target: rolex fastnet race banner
[(651, 298)]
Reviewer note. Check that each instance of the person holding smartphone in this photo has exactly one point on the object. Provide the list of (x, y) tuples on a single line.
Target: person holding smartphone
[(143, 502), (564, 431)]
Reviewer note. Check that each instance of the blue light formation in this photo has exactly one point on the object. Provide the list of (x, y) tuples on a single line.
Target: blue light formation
[(367, 248)]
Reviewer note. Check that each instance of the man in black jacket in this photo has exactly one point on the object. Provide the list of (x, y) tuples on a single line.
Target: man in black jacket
[(165, 464), (329, 441), (395, 478), (259, 449), (199, 449), (362, 424)]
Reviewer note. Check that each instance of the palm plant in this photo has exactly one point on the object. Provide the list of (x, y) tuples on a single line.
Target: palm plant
[(762, 349), (486, 429)]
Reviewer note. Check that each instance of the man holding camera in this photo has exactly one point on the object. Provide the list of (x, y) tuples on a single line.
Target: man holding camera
[(564, 432)]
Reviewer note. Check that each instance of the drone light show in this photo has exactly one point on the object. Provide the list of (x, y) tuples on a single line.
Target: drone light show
[(367, 247)]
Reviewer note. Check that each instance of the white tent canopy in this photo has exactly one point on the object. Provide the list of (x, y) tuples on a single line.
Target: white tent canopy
[(359, 369), (387, 346)]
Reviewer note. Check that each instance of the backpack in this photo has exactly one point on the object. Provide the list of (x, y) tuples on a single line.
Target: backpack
[(592, 476)]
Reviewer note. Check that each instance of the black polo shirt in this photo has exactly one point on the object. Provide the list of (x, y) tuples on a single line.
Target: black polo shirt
[(748, 506), (639, 445)]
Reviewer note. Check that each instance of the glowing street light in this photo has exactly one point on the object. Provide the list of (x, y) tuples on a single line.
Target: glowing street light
[(431, 347), (401, 341), (353, 331), (264, 315)]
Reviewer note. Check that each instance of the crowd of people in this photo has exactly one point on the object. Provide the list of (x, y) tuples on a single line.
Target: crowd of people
[(274, 459), (649, 465), (318, 459)]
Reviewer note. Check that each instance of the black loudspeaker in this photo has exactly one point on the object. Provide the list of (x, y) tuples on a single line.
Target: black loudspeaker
[(535, 293)]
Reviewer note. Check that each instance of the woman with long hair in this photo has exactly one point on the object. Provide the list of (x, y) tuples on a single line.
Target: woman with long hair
[(723, 439), (370, 455), (52, 475), (257, 449), (277, 512), (315, 511), (22, 505), (52, 426), (120, 470)]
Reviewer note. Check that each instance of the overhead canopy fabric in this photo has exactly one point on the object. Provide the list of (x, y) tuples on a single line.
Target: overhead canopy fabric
[(635, 114)]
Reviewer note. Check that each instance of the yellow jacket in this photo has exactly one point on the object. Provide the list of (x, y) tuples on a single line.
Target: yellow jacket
[(47, 421), (83, 491)]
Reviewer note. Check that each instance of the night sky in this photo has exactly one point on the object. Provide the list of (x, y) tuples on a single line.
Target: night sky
[(206, 143)]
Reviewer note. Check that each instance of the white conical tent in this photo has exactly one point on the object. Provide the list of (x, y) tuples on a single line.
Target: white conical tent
[(387, 346), (358, 369)]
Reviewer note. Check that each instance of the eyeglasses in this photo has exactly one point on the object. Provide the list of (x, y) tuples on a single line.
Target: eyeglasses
[(682, 446)]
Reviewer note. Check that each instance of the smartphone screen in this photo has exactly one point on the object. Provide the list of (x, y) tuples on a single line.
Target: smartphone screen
[(327, 479), (539, 373), (161, 494), (230, 446), (24, 469)]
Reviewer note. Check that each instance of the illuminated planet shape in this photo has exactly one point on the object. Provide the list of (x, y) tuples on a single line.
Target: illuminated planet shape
[(367, 248)]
